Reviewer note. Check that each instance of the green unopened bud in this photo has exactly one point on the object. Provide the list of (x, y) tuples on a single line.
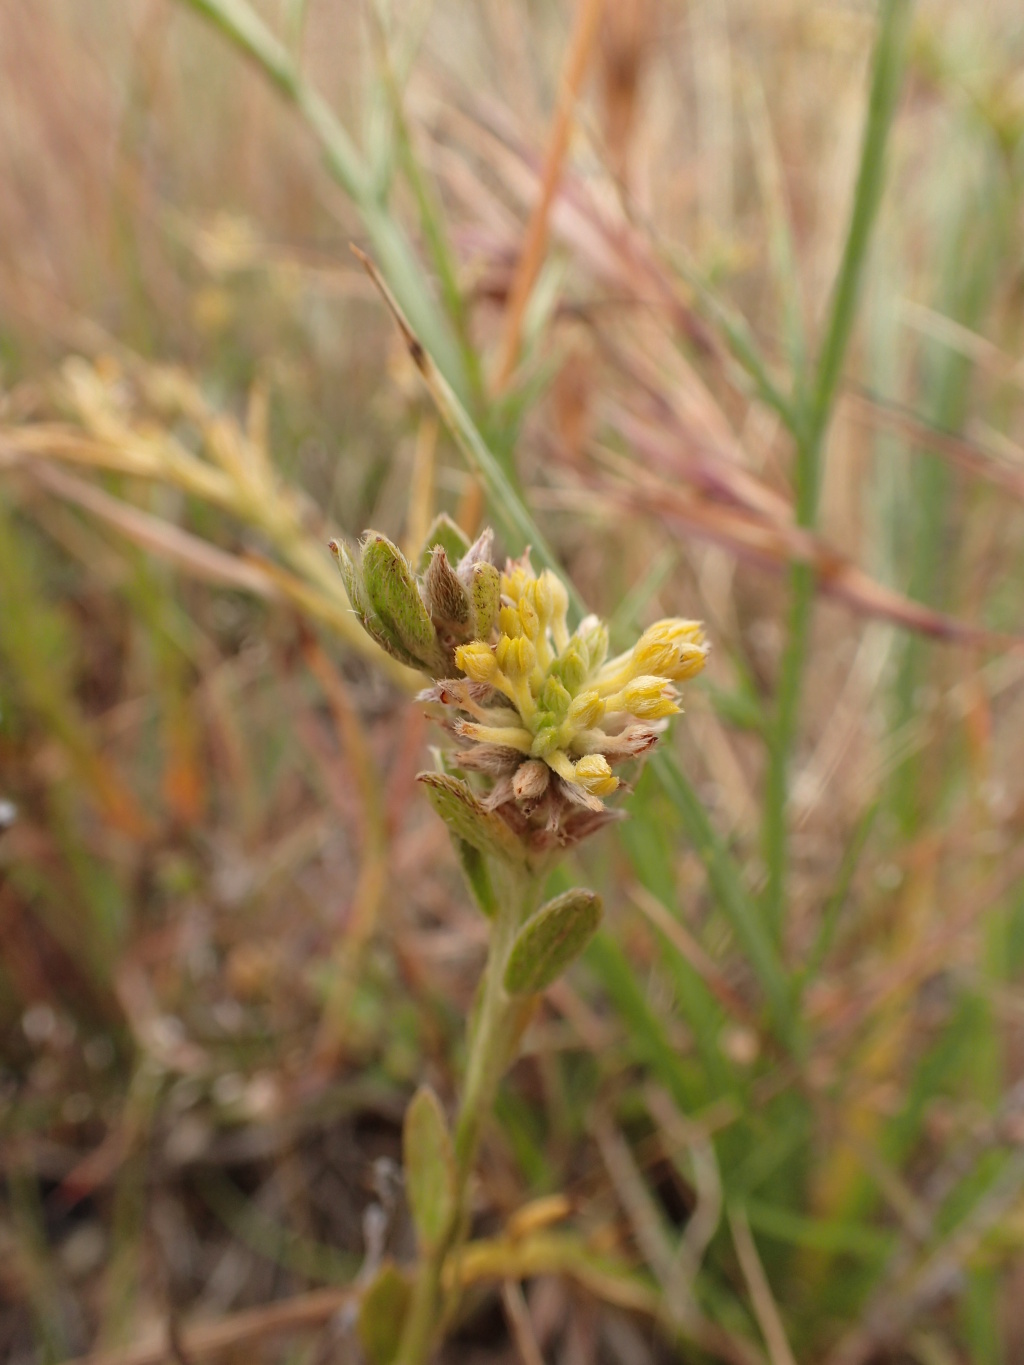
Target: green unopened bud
[(571, 668), (593, 638), (485, 592), (447, 600), (546, 738), (555, 698)]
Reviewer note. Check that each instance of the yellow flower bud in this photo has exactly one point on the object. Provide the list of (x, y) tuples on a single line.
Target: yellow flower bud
[(552, 605), (673, 648), (647, 698), (509, 622), (585, 710), (477, 661), (528, 616), (690, 659), (593, 774), (516, 658), (512, 584)]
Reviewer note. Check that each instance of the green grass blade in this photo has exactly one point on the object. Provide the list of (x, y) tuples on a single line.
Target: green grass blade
[(887, 70), (730, 893)]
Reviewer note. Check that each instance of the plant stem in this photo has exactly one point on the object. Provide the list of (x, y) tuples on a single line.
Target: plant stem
[(490, 1044), (813, 422)]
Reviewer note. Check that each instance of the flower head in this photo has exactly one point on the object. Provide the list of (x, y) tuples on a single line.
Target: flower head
[(547, 715), (540, 711)]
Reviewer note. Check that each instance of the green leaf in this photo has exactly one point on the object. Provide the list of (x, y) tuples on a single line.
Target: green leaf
[(468, 820), (429, 1167), (444, 532), (382, 1314), (395, 597), (550, 940), (475, 870), (352, 577)]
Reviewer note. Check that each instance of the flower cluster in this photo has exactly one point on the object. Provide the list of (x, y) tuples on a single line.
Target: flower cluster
[(541, 711)]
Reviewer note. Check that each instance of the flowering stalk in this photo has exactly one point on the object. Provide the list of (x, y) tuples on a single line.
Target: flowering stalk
[(539, 716)]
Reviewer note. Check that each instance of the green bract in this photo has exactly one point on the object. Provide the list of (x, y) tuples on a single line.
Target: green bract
[(421, 616)]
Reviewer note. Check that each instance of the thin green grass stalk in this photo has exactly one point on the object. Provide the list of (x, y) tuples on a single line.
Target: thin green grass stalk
[(980, 237), (812, 426), (240, 22), (780, 235), (740, 340), (836, 902), (732, 896), (434, 233), (510, 512), (27, 1226)]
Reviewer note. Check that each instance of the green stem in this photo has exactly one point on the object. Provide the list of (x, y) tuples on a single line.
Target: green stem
[(490, 1046), (813, 422)]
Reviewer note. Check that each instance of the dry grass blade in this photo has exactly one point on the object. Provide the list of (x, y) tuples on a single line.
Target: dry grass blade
[(688, 947), (581, 44), (518, 1314), (898, 1307), (968, 455), (682, 1135), (371, 885), (185, 551), (778, 546), (306, 1312), (761, 1296), (680, 1303)]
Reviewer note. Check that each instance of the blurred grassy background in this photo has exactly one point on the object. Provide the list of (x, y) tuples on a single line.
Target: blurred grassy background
[(783, 1096)]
